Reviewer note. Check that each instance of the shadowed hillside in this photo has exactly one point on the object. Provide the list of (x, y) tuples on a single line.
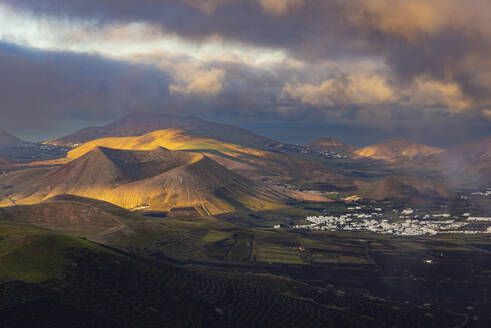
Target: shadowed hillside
[(138, 124), (157, 179), (466, 166), (9, 141), (397, 150), (405, 188)]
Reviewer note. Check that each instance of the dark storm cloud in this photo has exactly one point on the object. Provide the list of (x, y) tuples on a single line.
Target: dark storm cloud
[(305, 32), (39, 89), (435, 59), (446, 40), (45, 90)]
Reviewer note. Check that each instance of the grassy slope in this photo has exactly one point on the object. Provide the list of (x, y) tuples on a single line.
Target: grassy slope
[(34, 255)]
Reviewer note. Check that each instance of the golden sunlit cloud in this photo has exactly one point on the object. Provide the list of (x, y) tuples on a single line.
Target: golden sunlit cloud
[(201, 82), (414, 19), (354, 89), (370, 89), (283, 56)]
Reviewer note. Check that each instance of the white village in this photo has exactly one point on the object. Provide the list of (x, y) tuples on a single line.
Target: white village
[(405, 226)]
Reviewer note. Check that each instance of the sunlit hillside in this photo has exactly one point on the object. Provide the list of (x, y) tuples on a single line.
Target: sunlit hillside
[(172, 139), (255, 164), (156, 179), (397, 149)]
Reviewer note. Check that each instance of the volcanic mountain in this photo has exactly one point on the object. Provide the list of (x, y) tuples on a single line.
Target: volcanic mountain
[(397, 150), (467, 166), (331, 144), (138, 124), (9, 141), (258, 165), (158, 179), (411, 189)]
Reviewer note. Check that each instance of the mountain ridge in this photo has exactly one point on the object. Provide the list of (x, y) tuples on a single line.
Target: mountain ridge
[(137, 124), (158, 179)]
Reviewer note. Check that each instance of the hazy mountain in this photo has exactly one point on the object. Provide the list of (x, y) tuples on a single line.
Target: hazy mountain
[(9, 141), (331, 144), (405, 188), (138, 124), (159, 179), (467, 165), (397, 149)]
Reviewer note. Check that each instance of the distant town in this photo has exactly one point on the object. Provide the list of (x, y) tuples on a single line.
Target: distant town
[(375, 222)]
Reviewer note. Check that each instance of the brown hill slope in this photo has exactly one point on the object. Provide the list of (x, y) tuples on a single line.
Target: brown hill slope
[(331, 144), (405, 188), (70, 214), (465, 166), (254, 164), (7, 140), (396, 150), (138, 124), (159, 179)]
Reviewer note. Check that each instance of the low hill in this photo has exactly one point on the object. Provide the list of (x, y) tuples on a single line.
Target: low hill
[(9, 141), (3, 162), (465, 166), (397, 150), (406, 188), (157, 179), (138, 124), (70, 214), (331, 144)]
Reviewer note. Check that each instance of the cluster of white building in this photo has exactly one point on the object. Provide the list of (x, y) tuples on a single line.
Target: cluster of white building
[(478, 219), (486, 193), (375, 223)]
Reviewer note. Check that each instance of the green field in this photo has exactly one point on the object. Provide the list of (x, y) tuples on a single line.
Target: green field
[(34, 255)]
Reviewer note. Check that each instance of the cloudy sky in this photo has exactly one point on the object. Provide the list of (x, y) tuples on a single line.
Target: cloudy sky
[(361, 70)]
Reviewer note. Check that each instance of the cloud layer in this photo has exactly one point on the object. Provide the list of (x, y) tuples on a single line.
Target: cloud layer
[(370, 61)]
